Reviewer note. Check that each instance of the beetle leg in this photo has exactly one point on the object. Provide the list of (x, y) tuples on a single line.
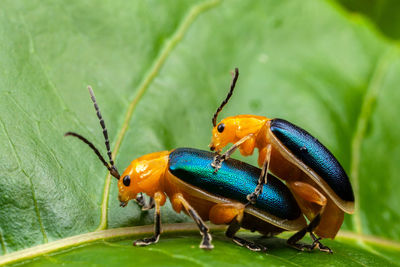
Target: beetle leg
[(262, 179), (206, 241), (317, 243), (234, 226), (218, 159), (157, 226), (148, 205), (141, 201), (312, 202), (232, 214), (292, 241)]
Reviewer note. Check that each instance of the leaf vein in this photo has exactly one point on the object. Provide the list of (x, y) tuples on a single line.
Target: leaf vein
[(169, 46), (29, 178), (364, 118), (3, 245)]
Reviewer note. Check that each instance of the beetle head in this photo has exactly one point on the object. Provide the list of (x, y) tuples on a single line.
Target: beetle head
[(223, 133), (232, 129), (144, 174)]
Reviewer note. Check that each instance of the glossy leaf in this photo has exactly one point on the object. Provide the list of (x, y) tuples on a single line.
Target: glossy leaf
[(159, 70)]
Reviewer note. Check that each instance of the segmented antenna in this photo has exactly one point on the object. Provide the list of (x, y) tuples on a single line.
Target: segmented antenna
[(110, 166), (91, 146), (103, 125), (228, 96)]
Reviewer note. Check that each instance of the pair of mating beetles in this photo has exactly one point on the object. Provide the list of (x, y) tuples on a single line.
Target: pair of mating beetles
[(213, 187)]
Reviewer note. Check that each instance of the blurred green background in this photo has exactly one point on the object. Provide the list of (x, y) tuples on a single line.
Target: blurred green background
[(159, 70)]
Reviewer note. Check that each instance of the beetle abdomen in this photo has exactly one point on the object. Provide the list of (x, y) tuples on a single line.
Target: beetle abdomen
[(235, 180), (315, 155)]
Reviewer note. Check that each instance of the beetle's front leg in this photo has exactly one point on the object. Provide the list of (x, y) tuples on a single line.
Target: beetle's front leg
[(157, 225), (263, 177), (140, 200), (219, 158), (143, 204)]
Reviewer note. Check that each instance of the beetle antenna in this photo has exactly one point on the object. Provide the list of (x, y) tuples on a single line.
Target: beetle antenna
[(110, 166), (105, 133), (228, 96), (103, 125), (83, 139)]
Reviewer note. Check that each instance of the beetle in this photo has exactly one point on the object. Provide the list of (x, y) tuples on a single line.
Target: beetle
[(292, 154), (186, 177)]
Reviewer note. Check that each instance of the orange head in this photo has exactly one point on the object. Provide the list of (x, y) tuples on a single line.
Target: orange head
[(232, 129), (144, 174)]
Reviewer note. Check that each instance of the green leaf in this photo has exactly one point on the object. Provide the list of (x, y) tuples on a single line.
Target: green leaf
[(159, 70), (383, 13)]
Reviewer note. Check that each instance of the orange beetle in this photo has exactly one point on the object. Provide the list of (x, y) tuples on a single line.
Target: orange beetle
[(185, 176), (291, 154)]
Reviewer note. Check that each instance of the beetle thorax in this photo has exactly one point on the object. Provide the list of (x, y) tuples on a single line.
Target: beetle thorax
[(146, 176), (248, 124)]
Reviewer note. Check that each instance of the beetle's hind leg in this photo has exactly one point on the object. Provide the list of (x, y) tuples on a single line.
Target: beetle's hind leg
[(308, 196), (234, 226), (157, 225), (206, 237), (317, 243), (292, 241), (232, 214)]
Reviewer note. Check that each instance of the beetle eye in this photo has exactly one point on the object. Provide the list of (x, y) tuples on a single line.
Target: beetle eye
[(221, 127), (127, 180)]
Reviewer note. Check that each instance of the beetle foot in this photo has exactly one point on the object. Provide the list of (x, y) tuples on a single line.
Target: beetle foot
[(250, 245), (321, 247), (302, 247), (146, 241), (252, 198), (217, 162), (206, 242)]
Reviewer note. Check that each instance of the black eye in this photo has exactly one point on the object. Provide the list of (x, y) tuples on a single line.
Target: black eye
[(221, 127), (127, 180)]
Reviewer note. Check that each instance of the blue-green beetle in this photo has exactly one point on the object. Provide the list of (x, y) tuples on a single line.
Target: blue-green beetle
[(292, 154)]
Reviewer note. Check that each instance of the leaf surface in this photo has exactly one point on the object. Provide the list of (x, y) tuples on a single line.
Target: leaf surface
[(159, 70)]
